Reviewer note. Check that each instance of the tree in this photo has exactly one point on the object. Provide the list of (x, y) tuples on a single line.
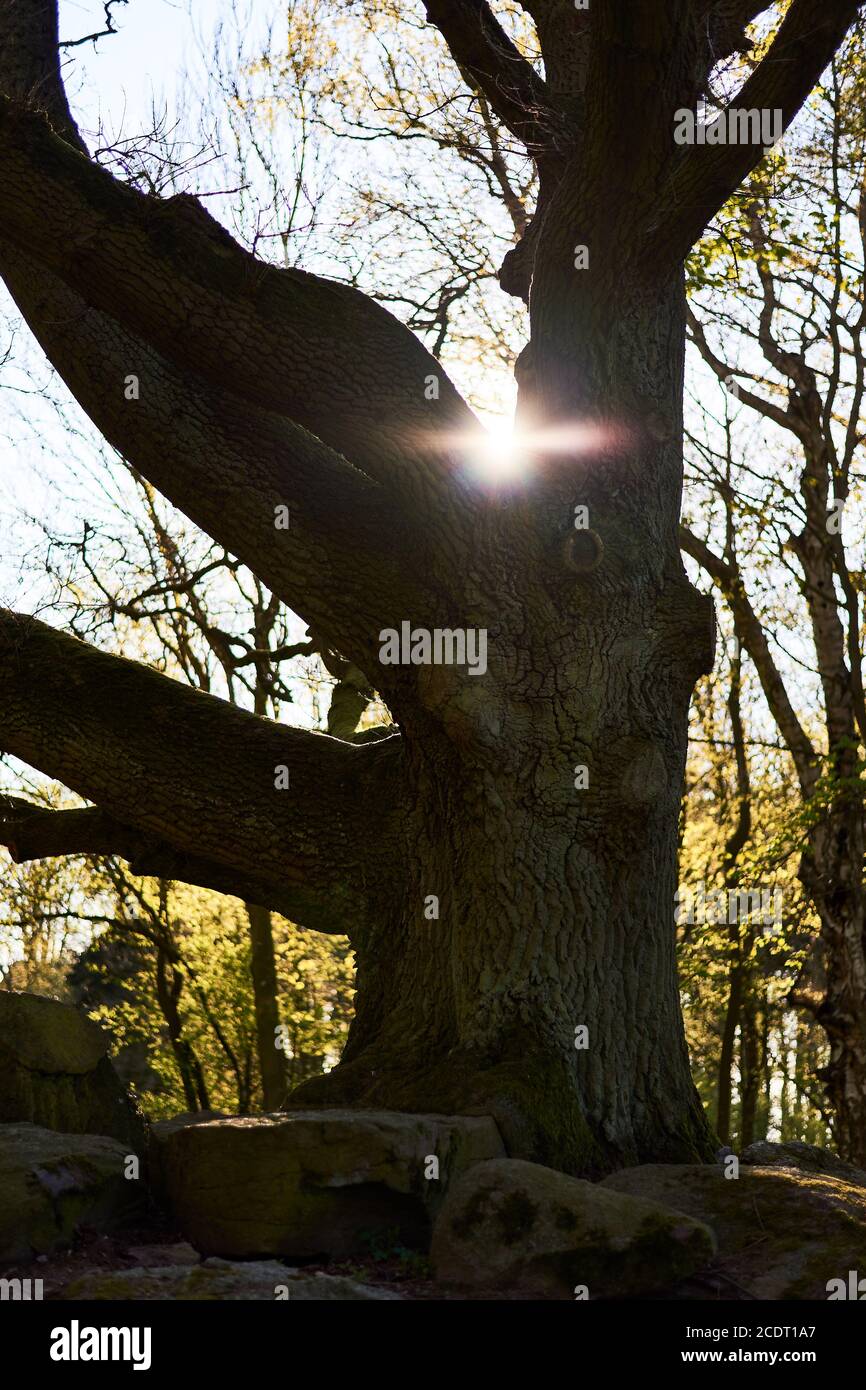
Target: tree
[(503, 907), (793, 359)]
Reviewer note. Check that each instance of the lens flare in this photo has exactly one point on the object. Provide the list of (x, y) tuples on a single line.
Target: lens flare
[(499, 456)]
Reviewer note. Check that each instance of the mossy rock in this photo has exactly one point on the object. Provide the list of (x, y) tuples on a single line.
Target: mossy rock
[(807, 1158), (781, 1233), (55, 1073), (54, 1185), (324, 1184), (528, 1230)]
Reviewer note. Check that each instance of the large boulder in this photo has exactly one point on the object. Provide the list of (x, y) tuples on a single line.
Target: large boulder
[(221, 1279), (55, 1072), (323, 1184), (527, 1230), (158, 1136), (782, 1234), (54, 1185), (808, 1158)]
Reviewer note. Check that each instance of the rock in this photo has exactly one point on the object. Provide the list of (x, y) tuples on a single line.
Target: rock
[(220, 1279), (53, 1185), (526, 1229), (159, 1134), (55, 1072), (808, 1158), (315, 1184), (781, 1233), (160, 1256)]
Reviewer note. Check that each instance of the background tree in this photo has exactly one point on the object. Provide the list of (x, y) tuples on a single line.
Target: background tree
[(786, 491)]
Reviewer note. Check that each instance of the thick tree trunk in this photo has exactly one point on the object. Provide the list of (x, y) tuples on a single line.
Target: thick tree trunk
[(555, 903)]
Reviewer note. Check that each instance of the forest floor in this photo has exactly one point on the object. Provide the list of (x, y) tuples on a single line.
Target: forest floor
[(406, 1273)]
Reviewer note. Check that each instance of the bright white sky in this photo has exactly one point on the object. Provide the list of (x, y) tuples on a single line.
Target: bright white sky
[(153, 44)]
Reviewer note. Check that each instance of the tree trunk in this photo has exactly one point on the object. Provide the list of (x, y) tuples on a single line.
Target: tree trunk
[(831, 873), (750, 1069), (740, 951), (188, 1065), (555, 904), (726, 1051), (272, 1067)]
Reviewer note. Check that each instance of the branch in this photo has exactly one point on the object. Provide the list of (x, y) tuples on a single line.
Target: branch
[(224, 462), (344, 563), (185, 783), (785, 419), (754, 639), (727, 21), (33, 832), (482, 49), (323, 354), (707, 175), (100, 33)]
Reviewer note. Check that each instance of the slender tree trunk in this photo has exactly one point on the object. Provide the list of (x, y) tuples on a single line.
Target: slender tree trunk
[(750, 1070), (188, 1065), (832, 874), (726, 1052), (831, 870), (264, 972), (740, 949)]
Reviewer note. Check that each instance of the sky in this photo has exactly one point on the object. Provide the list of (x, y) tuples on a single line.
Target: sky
[(117, 76)]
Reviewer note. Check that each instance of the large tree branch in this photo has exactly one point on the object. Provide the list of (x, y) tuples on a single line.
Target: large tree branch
[(707, 175), (34, 832), (188, 771), (343, 563), (482, 49), (726, 23), (227, 462), (321, 353), (753, 637)]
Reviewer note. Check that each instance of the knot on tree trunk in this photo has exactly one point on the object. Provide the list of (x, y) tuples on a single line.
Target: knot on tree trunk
[(687, 629)]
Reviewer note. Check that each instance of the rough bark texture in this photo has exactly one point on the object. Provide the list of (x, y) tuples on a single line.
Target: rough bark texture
[(260, 386)]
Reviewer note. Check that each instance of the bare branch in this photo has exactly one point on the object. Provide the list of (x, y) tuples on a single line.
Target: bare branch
[(753, 637), (484, 52), (99, 33)]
